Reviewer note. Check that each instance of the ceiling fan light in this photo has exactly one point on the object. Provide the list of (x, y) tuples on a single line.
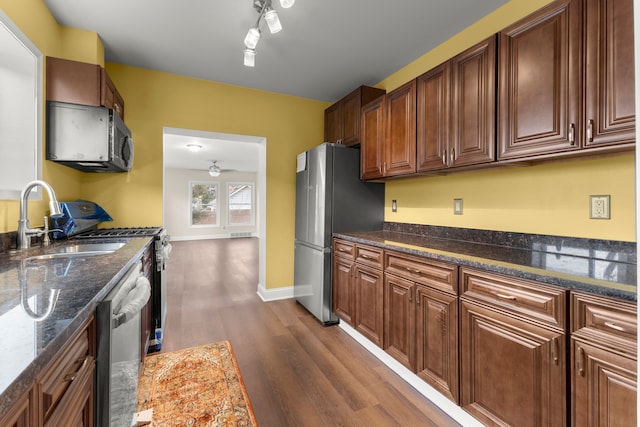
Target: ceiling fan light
[(286, 4), (249, 57), (252, 38), (271, 16), (214, 171)]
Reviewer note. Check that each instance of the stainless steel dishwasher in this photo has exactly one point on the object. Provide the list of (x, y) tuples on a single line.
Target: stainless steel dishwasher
[(118, 359)]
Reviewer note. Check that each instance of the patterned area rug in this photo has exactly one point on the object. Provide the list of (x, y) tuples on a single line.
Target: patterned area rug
[(199, 386)]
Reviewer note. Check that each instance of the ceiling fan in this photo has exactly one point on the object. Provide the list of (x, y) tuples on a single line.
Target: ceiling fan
[(215, 170)]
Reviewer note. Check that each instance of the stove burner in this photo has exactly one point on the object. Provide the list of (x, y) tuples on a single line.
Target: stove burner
[(119, 232)]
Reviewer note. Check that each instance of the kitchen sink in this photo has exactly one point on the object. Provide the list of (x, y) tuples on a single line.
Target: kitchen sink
[(78, 250)]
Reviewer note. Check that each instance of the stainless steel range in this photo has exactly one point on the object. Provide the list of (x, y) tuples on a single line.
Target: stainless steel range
[(162, 247)]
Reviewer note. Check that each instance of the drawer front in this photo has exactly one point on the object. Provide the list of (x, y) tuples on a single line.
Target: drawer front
[(600, 315), (343, 249), (435, 274), (69, 365), (524, 298), (369, 255)]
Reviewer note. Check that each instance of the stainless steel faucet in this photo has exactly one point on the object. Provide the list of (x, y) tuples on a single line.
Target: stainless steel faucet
[(24, 232)]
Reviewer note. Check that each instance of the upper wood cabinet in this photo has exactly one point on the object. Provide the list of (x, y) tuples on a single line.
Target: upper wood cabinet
[(570, 54), (539, 82), (610, 114), (82, 83), (456, 110), (342, 119), (389, 134)]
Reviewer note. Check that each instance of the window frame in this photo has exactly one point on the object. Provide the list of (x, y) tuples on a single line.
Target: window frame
[(252, 221), (215, 184)]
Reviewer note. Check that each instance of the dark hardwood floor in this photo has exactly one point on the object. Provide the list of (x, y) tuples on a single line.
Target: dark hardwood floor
[(297, 372)]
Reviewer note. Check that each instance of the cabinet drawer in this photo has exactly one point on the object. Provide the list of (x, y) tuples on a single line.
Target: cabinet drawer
[(521, 297), (343, 248), (369, 255), (71, 363), (436, 274), (600, 315)]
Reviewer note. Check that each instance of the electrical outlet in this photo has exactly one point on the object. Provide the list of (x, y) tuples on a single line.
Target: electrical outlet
[(457, 206), (600, 207), (394, 206)]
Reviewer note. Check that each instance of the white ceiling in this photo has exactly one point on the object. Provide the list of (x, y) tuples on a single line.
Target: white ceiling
[(326, 48), (233, 152)]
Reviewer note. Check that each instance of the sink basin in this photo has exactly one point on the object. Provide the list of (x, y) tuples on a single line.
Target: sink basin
[(79, 250)]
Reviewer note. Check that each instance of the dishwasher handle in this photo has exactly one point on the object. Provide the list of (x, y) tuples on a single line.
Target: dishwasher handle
[(134, 301)]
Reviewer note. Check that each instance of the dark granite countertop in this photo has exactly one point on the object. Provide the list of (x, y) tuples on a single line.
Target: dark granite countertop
[(600, 267), (44, 302)]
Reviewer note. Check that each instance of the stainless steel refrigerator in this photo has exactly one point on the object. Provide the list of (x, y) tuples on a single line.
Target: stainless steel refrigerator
[(330, 197)]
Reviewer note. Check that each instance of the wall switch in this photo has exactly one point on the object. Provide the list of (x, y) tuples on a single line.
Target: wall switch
[(600, 207), (457, 206)]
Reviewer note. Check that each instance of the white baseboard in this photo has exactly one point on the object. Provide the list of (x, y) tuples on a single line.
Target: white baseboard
[(274, 294), (453, 410)]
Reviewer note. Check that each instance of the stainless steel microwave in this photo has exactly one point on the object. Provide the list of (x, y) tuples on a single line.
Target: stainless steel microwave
[(88, 138)]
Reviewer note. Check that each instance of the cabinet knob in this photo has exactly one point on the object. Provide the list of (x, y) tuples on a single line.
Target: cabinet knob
[(590, 130), (572, 134)]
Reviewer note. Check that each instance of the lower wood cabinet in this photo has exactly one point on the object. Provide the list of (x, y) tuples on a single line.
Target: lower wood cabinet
[(513, 366), (21, 413), (357, 288), (499, 346), (603, 362), (65, 390), (421, 319)]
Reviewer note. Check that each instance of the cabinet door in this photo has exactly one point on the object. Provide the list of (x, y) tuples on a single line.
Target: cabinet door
[(603, 387), (373, 141), (512, 371), (437, 340), (609, 73), (399, 320), (351, 118), (473, 94), (333, 123), (20, 414), (433, 99), (368, 302), (77, 407), (400, 131), (342, 298), (540, 84)]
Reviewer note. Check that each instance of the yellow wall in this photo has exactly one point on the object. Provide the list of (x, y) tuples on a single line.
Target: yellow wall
[(549, 199), (544, 199), (154, 100)]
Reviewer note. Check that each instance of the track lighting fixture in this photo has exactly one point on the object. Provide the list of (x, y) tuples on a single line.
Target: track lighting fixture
[(266, 12)]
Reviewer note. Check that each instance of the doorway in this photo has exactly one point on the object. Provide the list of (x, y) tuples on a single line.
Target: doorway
[(195, 150)]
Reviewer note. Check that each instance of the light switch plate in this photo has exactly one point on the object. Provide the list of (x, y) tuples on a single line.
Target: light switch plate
[(600, 207), (457, 206)]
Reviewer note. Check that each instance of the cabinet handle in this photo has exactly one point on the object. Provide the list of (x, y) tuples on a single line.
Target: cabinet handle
[(384, 168), (572, 134), (444, 158), (590, 130), (452, 157), (412, 270), (504, 296), (73, 376), (365, 256), (614, 326), (580, 357), (342, 250), (555, 350), (410, 294), (418, 296)]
